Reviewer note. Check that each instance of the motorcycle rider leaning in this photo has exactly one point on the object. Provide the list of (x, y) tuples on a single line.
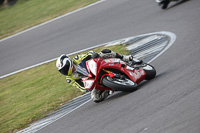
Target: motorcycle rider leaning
[(67, 67)]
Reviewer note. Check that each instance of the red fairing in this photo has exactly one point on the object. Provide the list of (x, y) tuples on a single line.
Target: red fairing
[(137, 75), (96, 66), (88, 82)]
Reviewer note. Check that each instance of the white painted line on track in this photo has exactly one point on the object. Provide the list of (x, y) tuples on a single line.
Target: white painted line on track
[(67, 14), (49, 61), (171, 35)]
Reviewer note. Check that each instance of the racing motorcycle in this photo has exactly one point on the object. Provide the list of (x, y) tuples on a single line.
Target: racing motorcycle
[(164, 3), (114, 74)]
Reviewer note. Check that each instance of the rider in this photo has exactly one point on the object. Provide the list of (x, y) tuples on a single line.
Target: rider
[(67, 67)]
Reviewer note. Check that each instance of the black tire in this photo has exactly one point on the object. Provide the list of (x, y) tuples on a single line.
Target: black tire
[(150, 72), (119, 85)]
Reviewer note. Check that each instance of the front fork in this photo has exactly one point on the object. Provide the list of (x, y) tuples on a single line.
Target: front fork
[(108, 73), (111, 74)]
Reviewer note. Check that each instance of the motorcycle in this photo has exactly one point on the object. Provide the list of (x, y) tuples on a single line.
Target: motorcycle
[(164, 3), (114, 74)]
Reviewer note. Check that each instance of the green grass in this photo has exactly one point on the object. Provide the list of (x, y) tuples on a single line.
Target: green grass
[(27, 13), (29, 95)]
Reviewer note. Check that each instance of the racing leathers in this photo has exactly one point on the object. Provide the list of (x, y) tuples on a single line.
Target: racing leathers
[(75, 80)]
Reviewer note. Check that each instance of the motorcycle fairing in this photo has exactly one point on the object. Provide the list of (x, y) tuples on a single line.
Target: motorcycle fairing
[(95, 66), (136, 75)]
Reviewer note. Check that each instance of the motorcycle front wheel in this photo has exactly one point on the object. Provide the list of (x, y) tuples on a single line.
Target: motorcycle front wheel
[(117, 84)]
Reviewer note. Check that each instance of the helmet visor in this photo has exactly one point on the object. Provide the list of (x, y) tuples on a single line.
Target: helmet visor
[(64, 70)]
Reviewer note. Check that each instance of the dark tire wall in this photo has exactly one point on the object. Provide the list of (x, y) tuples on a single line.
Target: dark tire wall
[(150, 74), (118, 87)]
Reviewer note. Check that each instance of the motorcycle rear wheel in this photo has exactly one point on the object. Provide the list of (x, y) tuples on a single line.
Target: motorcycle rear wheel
[(117, 84), (150, 72)]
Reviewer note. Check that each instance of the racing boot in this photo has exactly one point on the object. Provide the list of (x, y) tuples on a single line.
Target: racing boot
[(133, 59), (99, 95), (136, 61)]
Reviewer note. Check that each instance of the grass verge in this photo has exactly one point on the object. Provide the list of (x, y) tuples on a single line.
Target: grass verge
[(29, 95), (28, 13)]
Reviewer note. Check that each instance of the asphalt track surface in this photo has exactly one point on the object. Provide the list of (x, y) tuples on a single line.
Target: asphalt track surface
[(170, 103)]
